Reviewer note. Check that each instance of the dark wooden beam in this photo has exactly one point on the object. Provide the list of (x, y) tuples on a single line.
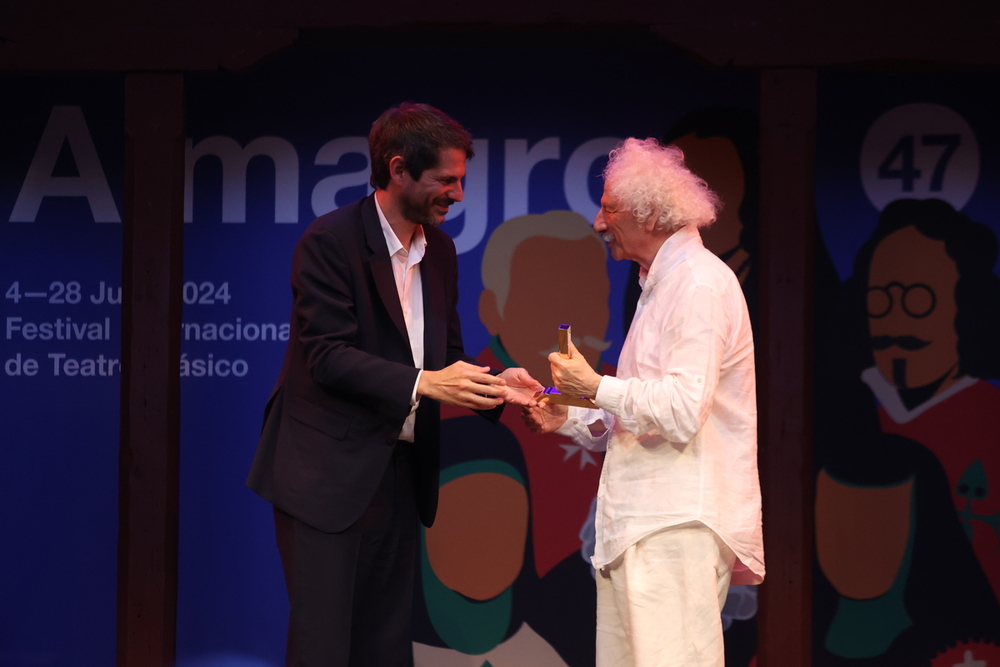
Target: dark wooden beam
[(787, 241), (150, 388), (109, 35)]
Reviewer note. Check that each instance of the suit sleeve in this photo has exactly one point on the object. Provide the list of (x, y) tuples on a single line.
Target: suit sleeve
[(327, 284)]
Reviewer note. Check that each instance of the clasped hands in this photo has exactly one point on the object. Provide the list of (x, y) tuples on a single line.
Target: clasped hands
[(473, 387), (572, 376)]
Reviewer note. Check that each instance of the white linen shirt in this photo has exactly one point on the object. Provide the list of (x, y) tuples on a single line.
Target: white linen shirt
[(682, 413)]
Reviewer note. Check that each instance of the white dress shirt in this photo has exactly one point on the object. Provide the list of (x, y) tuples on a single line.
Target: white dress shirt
[(682, 440), (406, 271)]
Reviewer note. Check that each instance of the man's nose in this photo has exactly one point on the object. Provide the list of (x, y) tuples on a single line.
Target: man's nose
[(599, 225), (456, 193)]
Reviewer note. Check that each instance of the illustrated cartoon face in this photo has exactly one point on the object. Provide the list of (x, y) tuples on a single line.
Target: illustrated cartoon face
[(476, 545), (716, 161), (911, 309), (862, 534), (552, 282)]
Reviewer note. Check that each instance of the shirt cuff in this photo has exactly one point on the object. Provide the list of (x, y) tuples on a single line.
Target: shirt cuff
[(610, 394), (578, 424), (413, 395), (573, 426)]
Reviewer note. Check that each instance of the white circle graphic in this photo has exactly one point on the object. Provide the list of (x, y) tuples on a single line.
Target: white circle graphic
[(920, 151)]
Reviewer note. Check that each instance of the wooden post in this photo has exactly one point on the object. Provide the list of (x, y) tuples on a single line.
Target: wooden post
[(152, 262), (787, 242)]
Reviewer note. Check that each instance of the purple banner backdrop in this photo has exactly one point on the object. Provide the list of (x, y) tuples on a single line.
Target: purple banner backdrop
[(61, 167)]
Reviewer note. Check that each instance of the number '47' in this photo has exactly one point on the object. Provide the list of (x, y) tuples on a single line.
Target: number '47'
[(907, 173)]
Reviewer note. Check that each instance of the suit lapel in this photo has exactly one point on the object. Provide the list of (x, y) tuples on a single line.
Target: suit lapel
[(381, 265)]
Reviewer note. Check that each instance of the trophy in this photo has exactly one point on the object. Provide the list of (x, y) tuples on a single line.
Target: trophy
[(551, 394)]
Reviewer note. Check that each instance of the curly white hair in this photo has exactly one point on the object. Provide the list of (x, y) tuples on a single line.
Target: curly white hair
[(650, 179)]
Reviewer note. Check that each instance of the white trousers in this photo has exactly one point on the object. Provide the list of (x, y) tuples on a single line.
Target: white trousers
[(659, 604)]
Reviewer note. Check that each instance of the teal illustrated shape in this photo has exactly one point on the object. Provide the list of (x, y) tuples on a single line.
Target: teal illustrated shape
[(468, 626), (866, 628), (974, 486)]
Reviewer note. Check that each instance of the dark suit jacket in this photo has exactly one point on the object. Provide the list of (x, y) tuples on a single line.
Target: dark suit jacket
[(332, 420)]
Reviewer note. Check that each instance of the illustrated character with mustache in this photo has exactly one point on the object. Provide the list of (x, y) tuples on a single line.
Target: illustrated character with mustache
[(906, 519), (931, 300), (560, 251), (527, 259)]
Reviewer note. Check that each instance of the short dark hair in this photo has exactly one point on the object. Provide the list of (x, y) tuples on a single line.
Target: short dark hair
[(417, 133)]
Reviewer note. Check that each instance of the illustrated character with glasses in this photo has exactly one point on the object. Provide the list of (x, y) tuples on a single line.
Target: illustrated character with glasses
[(932, 299)]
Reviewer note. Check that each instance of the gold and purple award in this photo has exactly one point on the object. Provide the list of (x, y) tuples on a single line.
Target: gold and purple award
[(551, 394)]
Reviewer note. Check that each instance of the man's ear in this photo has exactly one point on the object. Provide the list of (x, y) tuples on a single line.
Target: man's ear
[(650, 224), (397, 169), (489, 314)]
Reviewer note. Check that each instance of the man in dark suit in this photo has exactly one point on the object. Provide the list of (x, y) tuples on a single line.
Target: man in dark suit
[(349, 451)]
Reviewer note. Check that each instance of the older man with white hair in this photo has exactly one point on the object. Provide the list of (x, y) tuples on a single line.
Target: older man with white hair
[(678, 509)]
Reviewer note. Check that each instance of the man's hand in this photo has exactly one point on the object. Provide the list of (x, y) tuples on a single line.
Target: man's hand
[(544, 417), (521, 387), (465, 385), (574, 376)]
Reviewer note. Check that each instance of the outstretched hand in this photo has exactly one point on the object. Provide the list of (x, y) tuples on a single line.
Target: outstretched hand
[(465, 385), (544, 417), (521, 387)]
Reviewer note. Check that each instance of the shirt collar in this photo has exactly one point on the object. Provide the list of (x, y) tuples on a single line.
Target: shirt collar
[(392, 243), (674, 250)]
